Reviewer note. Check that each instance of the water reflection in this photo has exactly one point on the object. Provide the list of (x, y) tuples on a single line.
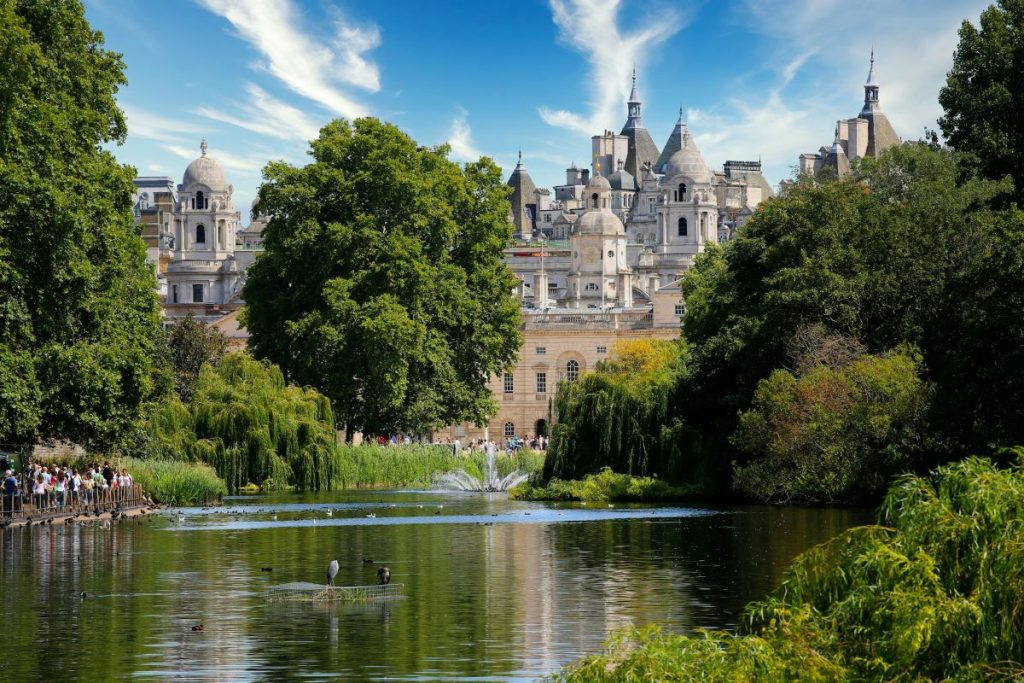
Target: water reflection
[(495, 590)]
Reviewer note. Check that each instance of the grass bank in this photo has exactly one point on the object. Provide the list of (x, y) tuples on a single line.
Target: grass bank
[(605, 486), (935, 592), (371, 466)]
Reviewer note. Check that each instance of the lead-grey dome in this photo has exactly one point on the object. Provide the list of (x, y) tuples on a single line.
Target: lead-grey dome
[(599, 182), (205, 171), (622, 180), (689, 162), (599, 223)]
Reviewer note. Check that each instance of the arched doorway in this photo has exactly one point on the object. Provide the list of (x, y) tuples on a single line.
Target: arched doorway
[(540, 428)]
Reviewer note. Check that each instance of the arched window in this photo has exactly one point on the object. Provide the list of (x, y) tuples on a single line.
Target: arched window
[(572, 370), (201, 234), (200, 200), (591, 287), (682, 191), (682, 227), (510, 430), (593, 201)]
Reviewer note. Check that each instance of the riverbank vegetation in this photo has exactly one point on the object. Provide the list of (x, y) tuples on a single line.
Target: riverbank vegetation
[(934, 592), (604, 487), (175, 483)]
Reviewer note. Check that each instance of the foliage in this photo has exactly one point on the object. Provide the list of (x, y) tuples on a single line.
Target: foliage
[(250, 426), (897, 254), (371, 466), (603, 487), (833, 433), (620, 416), (175, 483), (192, 344), (80, 338), (383, 283), (984, 93), (935, 595)]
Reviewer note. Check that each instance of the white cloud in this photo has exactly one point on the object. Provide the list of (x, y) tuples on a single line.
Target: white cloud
[(144, 124), (268, 116), (306, 64), (591, 27), (913, 42), (461, 139)]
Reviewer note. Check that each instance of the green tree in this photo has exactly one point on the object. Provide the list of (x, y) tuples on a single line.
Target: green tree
[(883, 257), (621, 416), (834, 433), (80, 331), (984, 93), (192, 344), (383, 282)]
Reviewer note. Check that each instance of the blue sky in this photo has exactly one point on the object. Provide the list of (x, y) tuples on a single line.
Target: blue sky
[(756, 78)]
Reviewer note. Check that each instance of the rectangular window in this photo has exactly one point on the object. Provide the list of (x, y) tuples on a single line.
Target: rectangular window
[(541, 350), (197, 294), (174, 294), (507, 383), (680, 309), (542, 383), (602, 349)]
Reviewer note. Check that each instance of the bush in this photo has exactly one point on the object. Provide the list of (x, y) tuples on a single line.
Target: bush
[(833, 434), (937, 593), (604, 486)]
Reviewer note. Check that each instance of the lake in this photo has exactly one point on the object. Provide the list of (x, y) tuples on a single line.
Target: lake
[(494, 590)]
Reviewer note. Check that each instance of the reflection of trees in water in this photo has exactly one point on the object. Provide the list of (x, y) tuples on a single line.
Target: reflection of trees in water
[(480, 600)]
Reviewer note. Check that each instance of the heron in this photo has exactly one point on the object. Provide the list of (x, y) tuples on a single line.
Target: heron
[(332, 571)]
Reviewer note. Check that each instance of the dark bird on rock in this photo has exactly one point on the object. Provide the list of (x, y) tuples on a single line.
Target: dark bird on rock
[(266, 569), (198, 627), (383, 576)]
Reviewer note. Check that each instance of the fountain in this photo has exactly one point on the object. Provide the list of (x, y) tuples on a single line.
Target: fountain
[(460, 480)]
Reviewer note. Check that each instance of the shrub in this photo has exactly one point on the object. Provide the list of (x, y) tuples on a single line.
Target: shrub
[(604, 486)]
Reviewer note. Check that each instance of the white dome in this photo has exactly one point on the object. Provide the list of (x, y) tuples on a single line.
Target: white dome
[(689, 162), (599, 223), (205, 171)]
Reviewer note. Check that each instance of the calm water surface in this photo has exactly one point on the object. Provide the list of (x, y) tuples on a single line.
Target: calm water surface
[(495, 590)]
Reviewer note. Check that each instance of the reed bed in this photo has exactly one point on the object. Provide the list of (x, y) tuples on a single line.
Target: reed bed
[(372, 466), (173, 482)]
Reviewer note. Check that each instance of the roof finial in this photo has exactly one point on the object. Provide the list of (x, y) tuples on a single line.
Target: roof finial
[(634, 74), (520, 155), (203, 146)]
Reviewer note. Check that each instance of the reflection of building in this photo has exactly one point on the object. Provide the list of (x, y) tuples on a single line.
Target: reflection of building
[(194, 239), (600, 262), (867, 135)]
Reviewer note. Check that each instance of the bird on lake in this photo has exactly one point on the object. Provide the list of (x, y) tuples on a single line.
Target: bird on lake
[(383, 576), (274, 518), (198, 627), (367, 560), (332, 571), (330, 512), (181, 517), (371, 516)]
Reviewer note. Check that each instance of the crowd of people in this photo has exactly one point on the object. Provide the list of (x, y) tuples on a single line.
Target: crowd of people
[(512, 444), (52, 487)]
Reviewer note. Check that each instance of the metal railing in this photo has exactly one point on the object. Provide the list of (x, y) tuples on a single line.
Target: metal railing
[(38, 506)]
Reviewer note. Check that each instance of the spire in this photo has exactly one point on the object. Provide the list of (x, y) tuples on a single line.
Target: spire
[(519, 163), (633, 105), (871, 89), (203, 146)]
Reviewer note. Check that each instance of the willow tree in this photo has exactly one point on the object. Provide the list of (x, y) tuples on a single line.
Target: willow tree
[(80, 338), (621, 416), (383, 283)]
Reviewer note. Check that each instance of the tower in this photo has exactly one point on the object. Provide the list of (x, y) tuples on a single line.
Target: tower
[(641, 148), (524, 199), (881, 135), (598, 274)]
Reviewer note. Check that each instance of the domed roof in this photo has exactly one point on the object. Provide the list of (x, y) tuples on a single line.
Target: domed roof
[(688, 161), (599, 223), (598, 182), (205, 171), (622, 180)]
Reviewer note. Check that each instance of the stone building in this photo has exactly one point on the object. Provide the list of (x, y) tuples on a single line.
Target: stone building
[(866, 135), (194, 239), (599, 260)]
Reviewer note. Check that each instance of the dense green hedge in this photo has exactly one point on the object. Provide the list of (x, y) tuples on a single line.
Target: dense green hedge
[(604, 486), (934, 592)]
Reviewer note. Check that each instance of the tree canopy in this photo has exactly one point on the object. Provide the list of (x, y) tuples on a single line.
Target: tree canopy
[(383, 282), (80, 339), (192, 344), (983, 98)]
